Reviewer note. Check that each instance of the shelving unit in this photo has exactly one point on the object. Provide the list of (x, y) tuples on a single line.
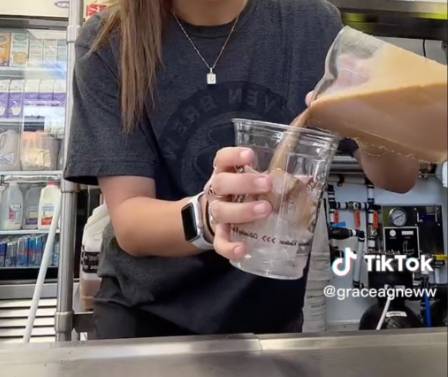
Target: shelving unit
[(42, 109), (22, 232), (29, 174), (32, 72), (11, 121)]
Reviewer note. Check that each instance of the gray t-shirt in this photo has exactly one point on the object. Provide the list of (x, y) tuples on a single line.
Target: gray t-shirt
[(275, 57)]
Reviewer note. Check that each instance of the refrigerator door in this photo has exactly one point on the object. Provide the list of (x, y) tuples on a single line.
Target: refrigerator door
[(33, 95), (33, 66)]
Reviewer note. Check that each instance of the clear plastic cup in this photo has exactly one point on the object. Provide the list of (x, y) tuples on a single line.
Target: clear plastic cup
[(299, 161)]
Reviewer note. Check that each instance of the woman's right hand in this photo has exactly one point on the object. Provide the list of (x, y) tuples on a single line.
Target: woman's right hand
[(224, 184)]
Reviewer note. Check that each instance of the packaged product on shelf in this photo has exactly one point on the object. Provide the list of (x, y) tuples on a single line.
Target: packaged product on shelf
[(57, 124), (11, 253), (40, 244), (62, 51), (5, 48), (9, 149), (39, 151), (36, 246), (4, 95), (11, 208), (50, 52), (31, 97), (59, 93), (49, 197), (55, 255), (3, 246), (22, 252), (36, 52), (31, 207), (46, 88), (19, 49), (15, 100), (32, 251)]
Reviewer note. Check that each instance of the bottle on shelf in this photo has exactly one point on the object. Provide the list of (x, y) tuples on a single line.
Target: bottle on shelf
[(49, 198), (11, 208), (31, 207)]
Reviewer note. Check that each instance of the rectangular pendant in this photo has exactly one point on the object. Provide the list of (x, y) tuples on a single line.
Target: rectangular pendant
[(211, 78)]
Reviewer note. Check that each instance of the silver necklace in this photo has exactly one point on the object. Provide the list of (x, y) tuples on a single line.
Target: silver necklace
[(211, 75)]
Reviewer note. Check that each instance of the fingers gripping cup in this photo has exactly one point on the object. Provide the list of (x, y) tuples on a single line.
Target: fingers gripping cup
[(298, 159)]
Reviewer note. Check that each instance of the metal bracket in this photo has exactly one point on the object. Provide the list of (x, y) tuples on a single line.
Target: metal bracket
[(63, 322), (69, 187)]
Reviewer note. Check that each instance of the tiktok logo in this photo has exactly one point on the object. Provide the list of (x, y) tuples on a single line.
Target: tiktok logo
[(341, 266), (383, 263)]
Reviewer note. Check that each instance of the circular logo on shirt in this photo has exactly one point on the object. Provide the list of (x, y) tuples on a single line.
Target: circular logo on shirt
[(203, 124)]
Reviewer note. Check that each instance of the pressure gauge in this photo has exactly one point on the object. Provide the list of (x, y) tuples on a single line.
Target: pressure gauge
[(398, 217)]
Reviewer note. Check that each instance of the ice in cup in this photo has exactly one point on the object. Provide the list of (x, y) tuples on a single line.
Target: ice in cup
[(279, 246)]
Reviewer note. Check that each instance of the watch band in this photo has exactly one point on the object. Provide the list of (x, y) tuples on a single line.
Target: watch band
[(200, 242)]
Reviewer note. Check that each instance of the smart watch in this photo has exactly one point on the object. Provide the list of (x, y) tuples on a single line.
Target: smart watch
[(193, 223)]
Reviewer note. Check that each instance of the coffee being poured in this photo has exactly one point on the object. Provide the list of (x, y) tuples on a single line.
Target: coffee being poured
[(384, 97)]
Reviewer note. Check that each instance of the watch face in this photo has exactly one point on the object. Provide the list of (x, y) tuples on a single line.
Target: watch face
[(189, 222)]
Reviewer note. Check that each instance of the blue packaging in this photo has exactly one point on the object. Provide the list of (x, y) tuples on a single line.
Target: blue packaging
[(55, 255), (22, 252), (31, 251), (2, 253), (40, 242), (11, 253)]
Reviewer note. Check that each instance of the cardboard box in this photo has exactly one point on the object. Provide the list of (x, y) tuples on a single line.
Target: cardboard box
[(4, 95), (15, 100), (50, 51), (36, 52), (19, 49), (61, 51), (5, 48)]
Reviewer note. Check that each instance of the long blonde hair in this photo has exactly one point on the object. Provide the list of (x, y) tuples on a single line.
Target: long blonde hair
[(141, 24)]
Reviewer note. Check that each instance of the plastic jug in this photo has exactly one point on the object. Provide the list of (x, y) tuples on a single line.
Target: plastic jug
[(386, 98), (11, 208), (31, 207), (89, 282), (49, 197)]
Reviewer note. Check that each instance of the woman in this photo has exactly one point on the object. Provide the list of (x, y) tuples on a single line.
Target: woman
[(156, 85)]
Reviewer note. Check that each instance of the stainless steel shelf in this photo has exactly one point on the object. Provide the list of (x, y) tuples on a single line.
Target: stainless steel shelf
[(28, 72), (30, 176), (11, 121), (15, 290), (15, 268), (421, 9), (29, 173), (23, 232), (397, 18)]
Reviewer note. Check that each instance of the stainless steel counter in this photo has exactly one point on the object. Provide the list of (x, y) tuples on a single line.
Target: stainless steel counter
[(414, 353)]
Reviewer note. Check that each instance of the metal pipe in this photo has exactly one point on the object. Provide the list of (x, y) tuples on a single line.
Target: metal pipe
[(358, 263), (42, 273), (371, 231), (64, 310)]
